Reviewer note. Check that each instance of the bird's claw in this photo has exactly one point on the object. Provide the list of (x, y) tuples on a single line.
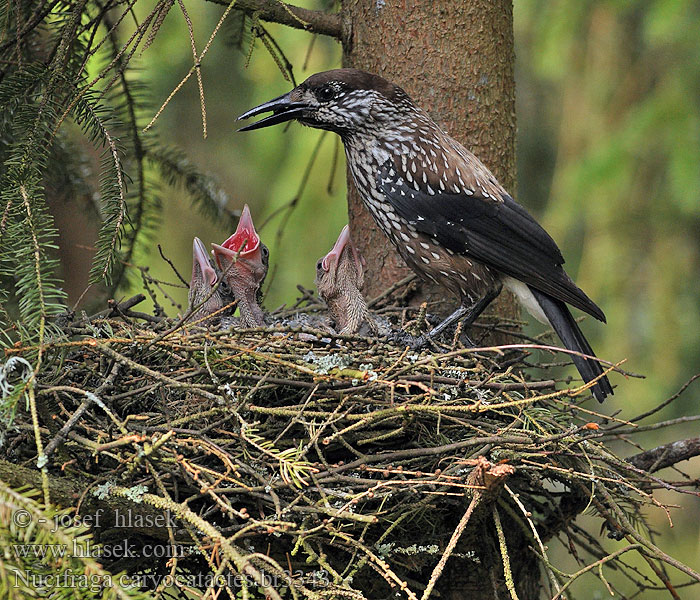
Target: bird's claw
[(403, 338)]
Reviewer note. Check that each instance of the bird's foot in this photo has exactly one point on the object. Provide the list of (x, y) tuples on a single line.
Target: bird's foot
[(424, 340), (403, 338)]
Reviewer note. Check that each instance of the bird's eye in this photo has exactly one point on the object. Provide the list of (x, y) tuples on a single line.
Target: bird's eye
[(265, 251), (319, 265), (326, 93)]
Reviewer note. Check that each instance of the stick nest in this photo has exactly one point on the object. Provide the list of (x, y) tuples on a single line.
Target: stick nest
[(326, 466)]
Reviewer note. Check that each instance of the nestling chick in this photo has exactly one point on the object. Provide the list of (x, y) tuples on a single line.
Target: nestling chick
[(204, 278), (243, 260), (339, 277)]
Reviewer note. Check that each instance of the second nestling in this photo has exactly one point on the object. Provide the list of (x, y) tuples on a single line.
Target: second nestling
[(243, 260), (205, 297), (242, 263)]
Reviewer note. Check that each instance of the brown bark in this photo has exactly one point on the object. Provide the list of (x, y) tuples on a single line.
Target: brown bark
[(456, 60), (667, 455)]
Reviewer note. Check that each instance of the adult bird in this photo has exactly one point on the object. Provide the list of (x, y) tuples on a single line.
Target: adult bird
[(445, 212), (205, 297), (243, 260)]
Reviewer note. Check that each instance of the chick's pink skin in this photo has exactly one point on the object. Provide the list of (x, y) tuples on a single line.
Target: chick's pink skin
[(242, 259)]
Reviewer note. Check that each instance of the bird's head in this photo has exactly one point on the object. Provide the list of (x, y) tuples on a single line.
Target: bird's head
[(339, 278), (247, 253), (341, 100), (204, 277)]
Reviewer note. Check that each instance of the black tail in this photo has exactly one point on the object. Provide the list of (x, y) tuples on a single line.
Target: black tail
[(572, 337)]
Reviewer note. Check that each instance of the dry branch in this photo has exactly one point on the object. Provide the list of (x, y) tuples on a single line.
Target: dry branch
[(276, 11), (666, 455)]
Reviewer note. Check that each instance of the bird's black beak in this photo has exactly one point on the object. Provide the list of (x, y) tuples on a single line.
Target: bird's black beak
[(283, 109)]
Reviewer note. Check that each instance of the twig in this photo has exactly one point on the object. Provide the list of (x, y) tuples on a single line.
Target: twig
[(62, 434), (437, 571), (507, 573), (172, 266), (275, 11)]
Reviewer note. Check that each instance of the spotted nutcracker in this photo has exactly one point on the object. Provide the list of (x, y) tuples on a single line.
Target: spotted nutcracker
[(445, 212), (246, 275), (203, 298)]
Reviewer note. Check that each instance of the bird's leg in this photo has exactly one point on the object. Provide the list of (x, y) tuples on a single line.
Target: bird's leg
[(462, 311), (467, 313)]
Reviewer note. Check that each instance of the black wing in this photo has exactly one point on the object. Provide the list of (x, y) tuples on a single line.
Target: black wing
[(496, 232)]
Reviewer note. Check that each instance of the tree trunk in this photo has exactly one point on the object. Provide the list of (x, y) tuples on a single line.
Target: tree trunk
[(456, 60)]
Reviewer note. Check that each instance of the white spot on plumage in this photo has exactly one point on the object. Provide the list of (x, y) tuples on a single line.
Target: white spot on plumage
[(425, 260), (411, 250), (435, 255), (424, 245), (404, 237)]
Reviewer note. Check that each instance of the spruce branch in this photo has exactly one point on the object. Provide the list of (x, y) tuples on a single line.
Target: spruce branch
[(96, 121)]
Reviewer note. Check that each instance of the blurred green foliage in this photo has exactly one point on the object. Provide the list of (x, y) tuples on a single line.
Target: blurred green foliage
[(608, 105)]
